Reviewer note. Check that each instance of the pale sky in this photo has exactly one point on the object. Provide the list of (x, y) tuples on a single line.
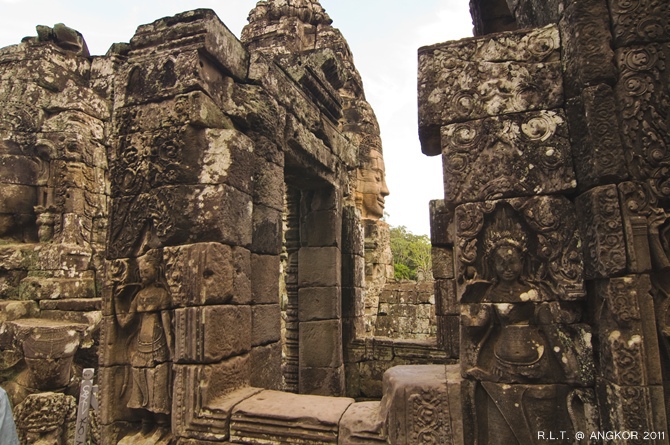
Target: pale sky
[(384, 36)]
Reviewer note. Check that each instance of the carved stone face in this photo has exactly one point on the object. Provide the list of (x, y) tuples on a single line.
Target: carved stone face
[(371, 188), (508, 263)]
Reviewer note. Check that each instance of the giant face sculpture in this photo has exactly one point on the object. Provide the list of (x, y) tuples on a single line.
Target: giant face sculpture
[(371, 187)]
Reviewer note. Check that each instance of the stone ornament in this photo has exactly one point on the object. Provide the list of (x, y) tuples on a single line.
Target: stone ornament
[(507, 156)]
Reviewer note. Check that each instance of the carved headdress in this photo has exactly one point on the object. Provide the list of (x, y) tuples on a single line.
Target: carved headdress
[(504, 230)]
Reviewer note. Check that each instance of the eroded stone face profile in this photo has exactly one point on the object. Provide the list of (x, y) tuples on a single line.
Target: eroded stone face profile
[(371, 187)]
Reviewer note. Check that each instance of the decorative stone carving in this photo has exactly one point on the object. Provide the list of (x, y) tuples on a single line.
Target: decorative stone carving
[(640, 21), (602, 231), (46, 418), (475, 78), (371, 188), (595, 137), (587, 54), (143, 315), (507, 156), (539, 233), (642, 94)]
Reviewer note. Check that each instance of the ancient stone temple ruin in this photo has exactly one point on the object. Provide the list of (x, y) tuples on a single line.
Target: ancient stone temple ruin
[(196, 217)]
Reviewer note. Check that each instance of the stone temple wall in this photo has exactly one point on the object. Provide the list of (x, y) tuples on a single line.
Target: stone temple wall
[(554, 140)]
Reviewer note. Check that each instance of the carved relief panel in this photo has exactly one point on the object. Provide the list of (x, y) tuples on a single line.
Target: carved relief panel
[(525, 346), (507, 156)]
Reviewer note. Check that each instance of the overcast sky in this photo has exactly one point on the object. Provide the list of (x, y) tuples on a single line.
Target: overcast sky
[(384, 36)]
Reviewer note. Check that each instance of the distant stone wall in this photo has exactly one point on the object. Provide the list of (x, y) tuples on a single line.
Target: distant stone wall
[(407, 310)]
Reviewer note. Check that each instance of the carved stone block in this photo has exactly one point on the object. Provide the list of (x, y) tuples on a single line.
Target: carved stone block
[(488, 76), (275, 417), (539, 233), (639, 22), (182, 155), (212, 333), (319, 303), (629, 346), (643, 94), (517, 414), (638, 205), (507, 156), (587, 52), (632, 408), (595, 134), (410, 393), (322, 228), (602, 232), (208, 273)]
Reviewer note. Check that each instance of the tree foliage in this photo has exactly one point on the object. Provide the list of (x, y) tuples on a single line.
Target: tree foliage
[(411, 254)]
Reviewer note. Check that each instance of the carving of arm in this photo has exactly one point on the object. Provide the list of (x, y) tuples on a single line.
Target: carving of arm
[(167, 328)]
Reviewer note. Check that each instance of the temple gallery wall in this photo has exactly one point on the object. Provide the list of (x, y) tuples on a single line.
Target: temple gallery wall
[(196, 217)]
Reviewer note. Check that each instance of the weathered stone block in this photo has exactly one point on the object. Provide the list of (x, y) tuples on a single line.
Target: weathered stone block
[(320, 344), (39, 288), (208, 273), (322, 228), (265, 282), (517, 155), (587, 46), (319, 303), (443, 262), (204, 398), (265, 364), (319, 267), (269, 185), (322, 381), (441, 223), (487, 76), (448, 334), (273, 416), (266, 324), (267, 230), (361, 424), (13, 310), (211, 213), (597, 148), (194, 108), (212, 333), (201, 28), (602, 232), (446, 302)]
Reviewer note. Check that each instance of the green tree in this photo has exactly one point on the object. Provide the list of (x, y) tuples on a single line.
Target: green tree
[(411, 254)]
